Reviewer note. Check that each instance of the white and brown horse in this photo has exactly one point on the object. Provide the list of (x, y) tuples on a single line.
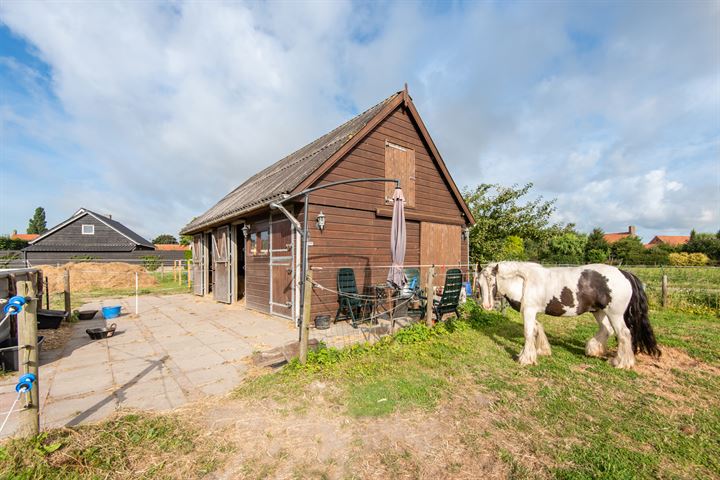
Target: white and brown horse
[(616, 298)]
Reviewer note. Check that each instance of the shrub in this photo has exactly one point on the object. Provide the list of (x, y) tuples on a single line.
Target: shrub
[(151, 262), (685, 259), (7, 243), (596, 256), (83, 258)]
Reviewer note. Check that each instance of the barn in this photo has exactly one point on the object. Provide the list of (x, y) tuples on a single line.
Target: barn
[(244, 250), (88, 235)]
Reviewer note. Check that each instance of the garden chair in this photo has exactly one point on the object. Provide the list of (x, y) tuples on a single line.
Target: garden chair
[(450, 298), (349, 302)]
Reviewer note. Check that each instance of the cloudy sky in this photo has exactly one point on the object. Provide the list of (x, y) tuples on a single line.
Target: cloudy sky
[(152, 111)]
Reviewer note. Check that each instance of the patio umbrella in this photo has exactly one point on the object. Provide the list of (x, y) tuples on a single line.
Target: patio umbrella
[(396, 276)]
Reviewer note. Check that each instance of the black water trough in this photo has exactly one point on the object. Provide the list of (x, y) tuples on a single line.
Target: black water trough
[(9, 353), (50, 318)]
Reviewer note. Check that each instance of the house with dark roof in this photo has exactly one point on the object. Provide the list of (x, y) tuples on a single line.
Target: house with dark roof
[(245, 250), (88, 235)]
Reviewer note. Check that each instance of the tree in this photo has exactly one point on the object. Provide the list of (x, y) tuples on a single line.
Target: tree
[(500, 212), (37, 223), (629, 250), (165, 239), (513, 249), (706, 243), (568, 248), (186, 240)]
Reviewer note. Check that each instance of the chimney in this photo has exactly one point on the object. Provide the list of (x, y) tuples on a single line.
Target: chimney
[(14, 233), (631, 231), (109, 215)]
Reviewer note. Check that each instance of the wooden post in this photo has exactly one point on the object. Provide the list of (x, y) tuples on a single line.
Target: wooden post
[(430, 293), (29, 418), (189, 280), (305, 326), (47, 293), (162, 271), (664, 291), (137, 300), (66, 287), (180, 272)]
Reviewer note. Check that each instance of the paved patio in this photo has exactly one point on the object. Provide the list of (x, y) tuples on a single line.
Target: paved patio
[(179, 348)]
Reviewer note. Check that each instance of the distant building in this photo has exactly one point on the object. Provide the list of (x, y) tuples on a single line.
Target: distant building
[(90, 236), (28, 237), (673, 240), (614, 237)]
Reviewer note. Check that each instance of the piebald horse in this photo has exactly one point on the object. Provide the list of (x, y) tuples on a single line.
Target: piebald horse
[(615, 297)]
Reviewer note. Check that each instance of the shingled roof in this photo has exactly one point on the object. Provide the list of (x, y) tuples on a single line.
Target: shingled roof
[(284, 176)]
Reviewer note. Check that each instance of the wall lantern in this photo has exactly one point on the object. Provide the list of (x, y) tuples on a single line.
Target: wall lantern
[(465, 233), (320, 221), (246, 230)]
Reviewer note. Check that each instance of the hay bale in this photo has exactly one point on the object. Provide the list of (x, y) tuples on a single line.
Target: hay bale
[(86, 276)]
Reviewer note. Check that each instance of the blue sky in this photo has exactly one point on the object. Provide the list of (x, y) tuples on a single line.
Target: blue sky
[(152, 111)]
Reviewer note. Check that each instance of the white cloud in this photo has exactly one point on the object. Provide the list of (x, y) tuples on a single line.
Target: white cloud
[(169, 106)]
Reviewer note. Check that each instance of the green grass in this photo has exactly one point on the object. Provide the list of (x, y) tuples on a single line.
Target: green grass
[(579, 416), (154, 445), (691, 289)]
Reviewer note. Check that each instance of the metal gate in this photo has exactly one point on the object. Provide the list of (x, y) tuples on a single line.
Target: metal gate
[(282, 248), (198, 257), (221, 259)]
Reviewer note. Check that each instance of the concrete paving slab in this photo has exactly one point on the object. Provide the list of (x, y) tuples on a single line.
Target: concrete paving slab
[(179, 348)]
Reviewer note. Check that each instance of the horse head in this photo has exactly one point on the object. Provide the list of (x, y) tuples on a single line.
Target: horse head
[(487, 283)]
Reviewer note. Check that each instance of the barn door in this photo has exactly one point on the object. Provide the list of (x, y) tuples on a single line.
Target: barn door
[(221, 259), (281, 267), (198, 275), (439, 246)]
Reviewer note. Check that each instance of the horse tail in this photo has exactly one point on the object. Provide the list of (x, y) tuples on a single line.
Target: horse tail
[(636, 319)]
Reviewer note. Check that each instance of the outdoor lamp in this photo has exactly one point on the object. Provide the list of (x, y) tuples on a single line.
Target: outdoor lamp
[(321, 221), (465, 233), (246, 230)]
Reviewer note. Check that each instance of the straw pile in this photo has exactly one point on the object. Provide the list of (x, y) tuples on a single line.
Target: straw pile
[(85, 276)]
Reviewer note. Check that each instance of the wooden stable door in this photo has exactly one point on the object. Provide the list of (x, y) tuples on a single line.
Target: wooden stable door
[(439, 246), (281, 267), (222, 291), (198, 257)]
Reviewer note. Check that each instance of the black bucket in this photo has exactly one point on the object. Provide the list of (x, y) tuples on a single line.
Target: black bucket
[(322, 322)]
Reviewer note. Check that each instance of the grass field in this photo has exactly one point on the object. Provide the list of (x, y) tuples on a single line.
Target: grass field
[(691, 289), (450, 402)]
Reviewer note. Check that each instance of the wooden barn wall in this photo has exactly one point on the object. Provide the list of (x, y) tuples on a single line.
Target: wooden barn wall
[(166, 257), (257, 270), (356, 235), (71, 234)]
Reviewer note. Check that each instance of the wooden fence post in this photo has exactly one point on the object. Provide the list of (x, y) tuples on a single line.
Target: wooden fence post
[(664, 300), (47, 293), (430, 294), (66, 288), (305, 326), (189, 282), (29, 418)]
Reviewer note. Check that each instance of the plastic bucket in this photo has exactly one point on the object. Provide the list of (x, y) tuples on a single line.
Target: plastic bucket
[(468, 288), (111, 312), (322, 322)]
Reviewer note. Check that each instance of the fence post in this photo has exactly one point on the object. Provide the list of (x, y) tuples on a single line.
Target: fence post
[(137, 302), (188, 274), (66, 287), (305, 326), (430, 294), (47, 293), (29, 418), (664, 300)]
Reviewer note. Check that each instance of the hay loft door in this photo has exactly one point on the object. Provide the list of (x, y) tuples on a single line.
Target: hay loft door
[(221, 259), (198, 258), (281, 267), (439, 246)]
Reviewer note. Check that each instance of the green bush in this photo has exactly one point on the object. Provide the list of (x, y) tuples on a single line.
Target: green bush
[(151, 262), (7, 243), (83, 258), (596, 256)]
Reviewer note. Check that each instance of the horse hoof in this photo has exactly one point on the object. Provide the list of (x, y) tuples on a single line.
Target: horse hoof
[(524, 359), (622, 364), (594, 349), (545, 352)]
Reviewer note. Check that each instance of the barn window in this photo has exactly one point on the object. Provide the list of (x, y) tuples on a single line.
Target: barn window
[(259, 243), (400, 163), (88, 229)]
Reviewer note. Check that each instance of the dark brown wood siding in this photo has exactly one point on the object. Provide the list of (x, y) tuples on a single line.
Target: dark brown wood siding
[(357, 216), (257, 269)]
